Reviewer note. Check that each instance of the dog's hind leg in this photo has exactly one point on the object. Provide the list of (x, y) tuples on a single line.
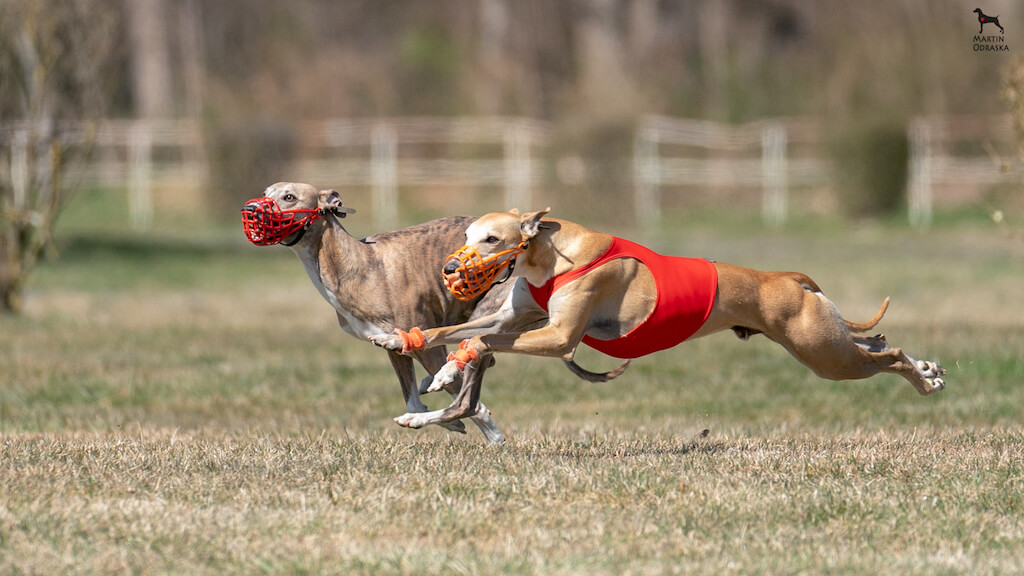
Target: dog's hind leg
[(810, 327), (433, 359), (406, 372), (924, 375)]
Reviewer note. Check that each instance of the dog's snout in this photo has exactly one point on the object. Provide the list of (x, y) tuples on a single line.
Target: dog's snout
[(451, 267)]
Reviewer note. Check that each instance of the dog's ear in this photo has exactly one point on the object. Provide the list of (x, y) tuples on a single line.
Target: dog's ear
[(331, 200), (529, 223), (514, 211)]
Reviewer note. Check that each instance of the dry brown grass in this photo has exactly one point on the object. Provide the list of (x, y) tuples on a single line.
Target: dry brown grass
[(215, 420), (925, 500)]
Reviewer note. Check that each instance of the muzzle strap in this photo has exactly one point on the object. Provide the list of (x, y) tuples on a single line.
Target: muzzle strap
[(302, 232)]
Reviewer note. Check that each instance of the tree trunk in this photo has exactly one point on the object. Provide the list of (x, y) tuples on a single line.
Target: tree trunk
[(714, 55), (605, 84), (151, 76), (10, 275)]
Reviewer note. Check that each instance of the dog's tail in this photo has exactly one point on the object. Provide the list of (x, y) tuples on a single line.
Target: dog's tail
[(595, 376), (865, 326)]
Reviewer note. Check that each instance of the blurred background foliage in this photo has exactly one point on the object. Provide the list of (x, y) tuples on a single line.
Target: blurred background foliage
[(251, 69), (250, 72)]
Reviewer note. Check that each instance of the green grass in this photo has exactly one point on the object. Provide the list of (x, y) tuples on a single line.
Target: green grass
[(190, 406)]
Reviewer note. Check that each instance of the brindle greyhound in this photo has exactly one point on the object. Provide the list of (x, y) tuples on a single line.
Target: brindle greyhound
[(615, 303), (381, 282)]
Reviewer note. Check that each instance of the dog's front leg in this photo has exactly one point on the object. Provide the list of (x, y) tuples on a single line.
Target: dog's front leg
[(406, 373), (474, 356), (399, 341), (465, 405), (433, 359), (553, 340), (517, 313), (558, 337), (445, 376)]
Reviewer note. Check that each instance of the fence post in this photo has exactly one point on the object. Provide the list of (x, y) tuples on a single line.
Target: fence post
[(773, 172), (517, 167), (140, 159), (646, 177), (919, 188), (384, 175)]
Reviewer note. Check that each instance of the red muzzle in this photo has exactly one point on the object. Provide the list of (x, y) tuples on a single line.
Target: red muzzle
[(265, 224), (477, 274)]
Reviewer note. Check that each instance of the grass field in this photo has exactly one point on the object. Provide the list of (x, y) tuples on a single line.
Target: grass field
[(191, 407)]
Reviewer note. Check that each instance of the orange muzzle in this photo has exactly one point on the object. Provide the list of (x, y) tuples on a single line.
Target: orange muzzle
[(477, 274)]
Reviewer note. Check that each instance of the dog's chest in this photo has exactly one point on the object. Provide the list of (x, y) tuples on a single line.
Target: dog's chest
[(351, 322)]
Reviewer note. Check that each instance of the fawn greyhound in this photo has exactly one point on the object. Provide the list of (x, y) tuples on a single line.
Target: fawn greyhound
[(628, 301), (381, 282)]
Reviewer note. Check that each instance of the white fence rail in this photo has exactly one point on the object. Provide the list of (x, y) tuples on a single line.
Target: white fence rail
[(940, 155), (772, 170), (771, 156), (124, 155), (368, 153)]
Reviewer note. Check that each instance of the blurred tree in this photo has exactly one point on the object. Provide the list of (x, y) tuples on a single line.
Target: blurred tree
[(870, 167), (1013, 93), (605, 88), (151, 66), (253, 69), (55, 78)]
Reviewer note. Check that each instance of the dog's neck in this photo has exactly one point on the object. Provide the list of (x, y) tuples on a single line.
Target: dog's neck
[(341, 268), (559, 247), (343, 254)]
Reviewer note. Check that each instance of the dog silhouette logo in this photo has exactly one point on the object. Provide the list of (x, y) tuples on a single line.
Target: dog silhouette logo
[(986, 19)]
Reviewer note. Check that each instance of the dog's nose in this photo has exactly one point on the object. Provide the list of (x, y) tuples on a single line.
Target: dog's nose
[(451, 267)]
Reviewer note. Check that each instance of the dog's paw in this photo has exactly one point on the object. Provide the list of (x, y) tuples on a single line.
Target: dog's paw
[(392, 342), (445, 376), (412, 420), (932, 373), (420, 419)]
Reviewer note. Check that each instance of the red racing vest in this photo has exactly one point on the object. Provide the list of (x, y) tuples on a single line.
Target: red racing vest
[(686, 292)]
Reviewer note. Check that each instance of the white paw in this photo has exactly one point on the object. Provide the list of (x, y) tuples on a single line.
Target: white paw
[(412, 420), (932, 372), (445, 376), (391, 342)]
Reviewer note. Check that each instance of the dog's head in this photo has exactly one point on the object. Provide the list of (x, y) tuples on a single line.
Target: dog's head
[(286, 211), (977, 10), (493, 242)]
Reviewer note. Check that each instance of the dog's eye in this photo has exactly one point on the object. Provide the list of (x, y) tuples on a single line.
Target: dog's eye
[(492, 240), (289, 197)]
